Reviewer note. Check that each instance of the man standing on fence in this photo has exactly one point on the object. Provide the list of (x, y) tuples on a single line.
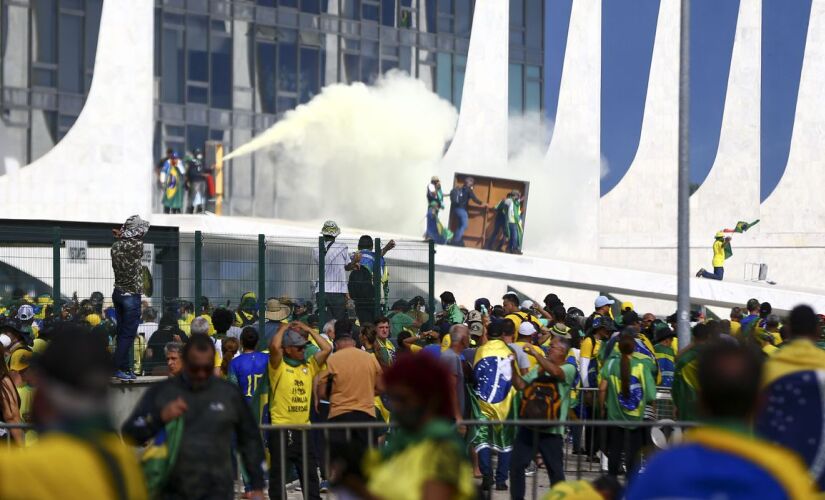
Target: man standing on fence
[(127, 251), (336, 264), (290, 377)]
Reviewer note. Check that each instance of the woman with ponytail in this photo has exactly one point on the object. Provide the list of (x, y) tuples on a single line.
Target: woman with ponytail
[(626, 386)]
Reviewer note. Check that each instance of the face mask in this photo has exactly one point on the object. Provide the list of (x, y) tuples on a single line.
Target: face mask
[(5, 340)]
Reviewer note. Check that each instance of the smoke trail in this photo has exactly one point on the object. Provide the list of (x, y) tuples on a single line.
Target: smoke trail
[(359, 154)]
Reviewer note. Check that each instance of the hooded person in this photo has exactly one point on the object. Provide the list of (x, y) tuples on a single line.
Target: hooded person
[(127, 252)]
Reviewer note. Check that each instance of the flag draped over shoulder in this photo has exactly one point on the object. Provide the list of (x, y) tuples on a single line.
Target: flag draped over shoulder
[(492, 396), (493, 369), (794, 390)]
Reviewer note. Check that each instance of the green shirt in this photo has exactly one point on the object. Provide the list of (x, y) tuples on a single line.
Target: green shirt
[(642, 390), (399, 321), (684, 385), (563, 388)]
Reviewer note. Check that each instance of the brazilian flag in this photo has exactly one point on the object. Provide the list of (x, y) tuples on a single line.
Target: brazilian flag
[(743, 226), (160, 456)]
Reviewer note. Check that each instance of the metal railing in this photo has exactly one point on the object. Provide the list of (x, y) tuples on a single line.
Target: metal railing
[(576, 465)]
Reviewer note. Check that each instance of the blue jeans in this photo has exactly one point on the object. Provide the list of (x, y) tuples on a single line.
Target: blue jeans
[(127, 307), (718, 274), (485, 463), (513, 246), (461, 214)]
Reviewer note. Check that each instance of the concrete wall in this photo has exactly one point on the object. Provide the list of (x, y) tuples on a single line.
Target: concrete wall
[(480, 142), (102, 169)]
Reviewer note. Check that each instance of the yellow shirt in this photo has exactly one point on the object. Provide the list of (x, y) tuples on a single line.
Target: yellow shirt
[(573, 490), (530, 359), (403, 475), (291, 392), (62, 466), (735, 328), (718, 253)]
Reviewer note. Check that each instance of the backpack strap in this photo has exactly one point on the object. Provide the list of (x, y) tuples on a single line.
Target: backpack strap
[(112, 467)]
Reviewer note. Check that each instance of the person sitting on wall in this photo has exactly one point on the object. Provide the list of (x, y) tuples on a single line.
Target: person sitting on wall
[(721, 249)]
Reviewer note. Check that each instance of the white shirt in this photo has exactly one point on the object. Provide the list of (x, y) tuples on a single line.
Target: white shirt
[(147, 329), (335, 274)]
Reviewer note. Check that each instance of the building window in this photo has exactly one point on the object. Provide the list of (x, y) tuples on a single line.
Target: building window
[(516, 89)]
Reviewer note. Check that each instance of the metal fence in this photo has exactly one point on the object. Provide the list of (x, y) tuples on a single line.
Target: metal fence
[(72, 261), (322, 441)]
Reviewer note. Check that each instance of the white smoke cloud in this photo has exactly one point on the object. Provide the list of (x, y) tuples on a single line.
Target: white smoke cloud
[(359, 154)]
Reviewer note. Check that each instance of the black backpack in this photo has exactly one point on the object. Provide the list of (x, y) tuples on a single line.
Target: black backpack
[(360, 285), (541, 400)]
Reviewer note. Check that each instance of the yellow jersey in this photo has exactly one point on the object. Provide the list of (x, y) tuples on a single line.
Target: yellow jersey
[(63, 466), (718, 253), (291, 392)]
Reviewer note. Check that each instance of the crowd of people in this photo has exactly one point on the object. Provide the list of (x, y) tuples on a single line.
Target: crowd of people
[(186, 182), (407, 391)]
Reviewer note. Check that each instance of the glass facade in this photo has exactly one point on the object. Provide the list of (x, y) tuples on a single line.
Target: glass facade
[(228, 70), (47, 55)]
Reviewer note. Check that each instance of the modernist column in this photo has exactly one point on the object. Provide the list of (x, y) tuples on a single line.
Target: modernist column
[(564, 218), (731, 190), (797, 204), (639, 214), (102, 169)]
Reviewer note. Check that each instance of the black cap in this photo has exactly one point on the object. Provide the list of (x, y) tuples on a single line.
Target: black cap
[(765, 309), (630, 317), (401, 305), (663, 332)]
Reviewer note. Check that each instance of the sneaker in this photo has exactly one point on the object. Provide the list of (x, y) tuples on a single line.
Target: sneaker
[(501, 486), (131, 375), (123, 376), (323, 486), (530, 471), (486, 483), (700, 273)]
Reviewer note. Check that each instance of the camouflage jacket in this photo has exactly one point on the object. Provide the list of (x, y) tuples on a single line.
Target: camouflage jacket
[(126, 255)]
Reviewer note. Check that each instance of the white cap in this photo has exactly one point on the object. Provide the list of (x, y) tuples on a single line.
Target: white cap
[(602, 301), (527, 304), (527, 329)]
